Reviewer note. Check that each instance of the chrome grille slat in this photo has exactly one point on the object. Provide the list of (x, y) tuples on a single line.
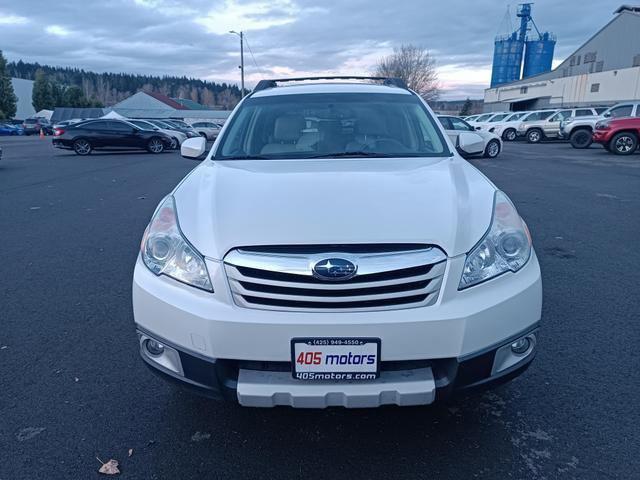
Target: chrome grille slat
[(237, 288), (384, 281), (436, 271)]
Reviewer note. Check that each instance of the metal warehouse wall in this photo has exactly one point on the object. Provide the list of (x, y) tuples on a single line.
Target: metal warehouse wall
[(615, 45), (578, 90)]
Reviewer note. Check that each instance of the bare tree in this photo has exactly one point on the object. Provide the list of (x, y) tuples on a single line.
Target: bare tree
[(415, 66)]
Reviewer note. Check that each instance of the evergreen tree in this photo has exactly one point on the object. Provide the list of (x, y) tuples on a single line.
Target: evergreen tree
[(73, 97), (109, 88), (43, 94), (8, 98), (56, 94), (466, 108)]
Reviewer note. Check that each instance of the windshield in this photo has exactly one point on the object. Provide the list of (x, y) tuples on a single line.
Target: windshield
[(177, 123), (483, 118), (514, 116), (142, 124), (535, 116), (497, 118), (332, 124), (160, 124)]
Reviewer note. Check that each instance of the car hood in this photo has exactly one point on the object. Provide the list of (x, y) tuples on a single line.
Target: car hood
[(226, 204)]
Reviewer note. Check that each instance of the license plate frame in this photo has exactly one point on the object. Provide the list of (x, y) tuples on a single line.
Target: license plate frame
[(328, 347)]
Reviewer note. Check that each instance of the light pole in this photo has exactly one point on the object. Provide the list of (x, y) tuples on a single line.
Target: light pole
[(241, 35)]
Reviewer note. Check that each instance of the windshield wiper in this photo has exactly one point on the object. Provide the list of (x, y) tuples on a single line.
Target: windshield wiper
[(355, 154), (245, 157)]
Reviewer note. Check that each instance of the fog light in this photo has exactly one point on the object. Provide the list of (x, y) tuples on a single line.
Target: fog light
[(154, 348), (520, 346)]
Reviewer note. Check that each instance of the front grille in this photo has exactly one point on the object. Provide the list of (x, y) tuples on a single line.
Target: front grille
[(385, 280)]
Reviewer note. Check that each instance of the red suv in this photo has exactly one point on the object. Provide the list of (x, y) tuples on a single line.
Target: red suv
[(619, 136)]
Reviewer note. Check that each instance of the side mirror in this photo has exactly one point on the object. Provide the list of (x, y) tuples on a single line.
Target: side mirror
[(606, 115), (193, 148), (470, 143)]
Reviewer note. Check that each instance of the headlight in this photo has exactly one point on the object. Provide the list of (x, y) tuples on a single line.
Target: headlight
[(505, 247), (165, 251), (192, 134), (602, 125), (521, 126), (568, 121)]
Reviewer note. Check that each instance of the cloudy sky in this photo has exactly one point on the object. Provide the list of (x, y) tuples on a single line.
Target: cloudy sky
[(286, 37)]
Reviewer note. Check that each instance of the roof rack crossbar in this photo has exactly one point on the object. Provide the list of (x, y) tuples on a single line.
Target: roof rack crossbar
[(271, 83)]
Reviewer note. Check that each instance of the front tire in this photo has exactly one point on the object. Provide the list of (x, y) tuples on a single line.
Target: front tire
[(492, 150), (624, 143), (534, 135), (582, 138), (82, 147), (509, 135), (155, 145)]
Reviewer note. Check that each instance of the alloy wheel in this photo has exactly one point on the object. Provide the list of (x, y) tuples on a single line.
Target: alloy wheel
[(624, 144), (493, 149), (534, 136), (155, 145), (82, 147)]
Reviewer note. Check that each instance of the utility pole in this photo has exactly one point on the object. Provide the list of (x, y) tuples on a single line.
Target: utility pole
[(241, 35)]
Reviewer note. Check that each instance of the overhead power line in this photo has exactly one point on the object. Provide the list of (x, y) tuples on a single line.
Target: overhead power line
[(252, 57)]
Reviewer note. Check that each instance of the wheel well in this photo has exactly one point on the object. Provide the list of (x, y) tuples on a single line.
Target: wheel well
[(586, 128), (632, 132)]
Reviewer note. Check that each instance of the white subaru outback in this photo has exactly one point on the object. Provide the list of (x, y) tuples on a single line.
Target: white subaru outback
[(334, 249)]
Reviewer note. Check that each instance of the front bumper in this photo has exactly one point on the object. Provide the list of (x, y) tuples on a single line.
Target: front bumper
[(270, 384), (601, 136), (216, 340), (562, 134)]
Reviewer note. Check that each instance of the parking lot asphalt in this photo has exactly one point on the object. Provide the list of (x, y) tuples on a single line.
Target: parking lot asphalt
[(72, 387)]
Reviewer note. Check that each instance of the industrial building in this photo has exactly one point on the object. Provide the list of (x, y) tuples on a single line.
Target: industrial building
[(23, 90), (605, 70)]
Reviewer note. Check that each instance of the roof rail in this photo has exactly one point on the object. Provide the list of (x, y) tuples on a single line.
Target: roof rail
[(271, 83)]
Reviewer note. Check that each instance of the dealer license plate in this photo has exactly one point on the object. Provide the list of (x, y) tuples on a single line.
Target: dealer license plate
[(335, 358)]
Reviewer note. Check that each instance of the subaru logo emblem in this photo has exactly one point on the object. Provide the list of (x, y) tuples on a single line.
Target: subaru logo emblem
[(334, 269)]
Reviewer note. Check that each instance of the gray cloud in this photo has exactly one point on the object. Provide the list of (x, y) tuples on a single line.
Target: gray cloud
[(286, 36)]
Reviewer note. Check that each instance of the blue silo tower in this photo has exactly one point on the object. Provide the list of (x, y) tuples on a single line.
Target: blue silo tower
[(509, 50), (538, 54)]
